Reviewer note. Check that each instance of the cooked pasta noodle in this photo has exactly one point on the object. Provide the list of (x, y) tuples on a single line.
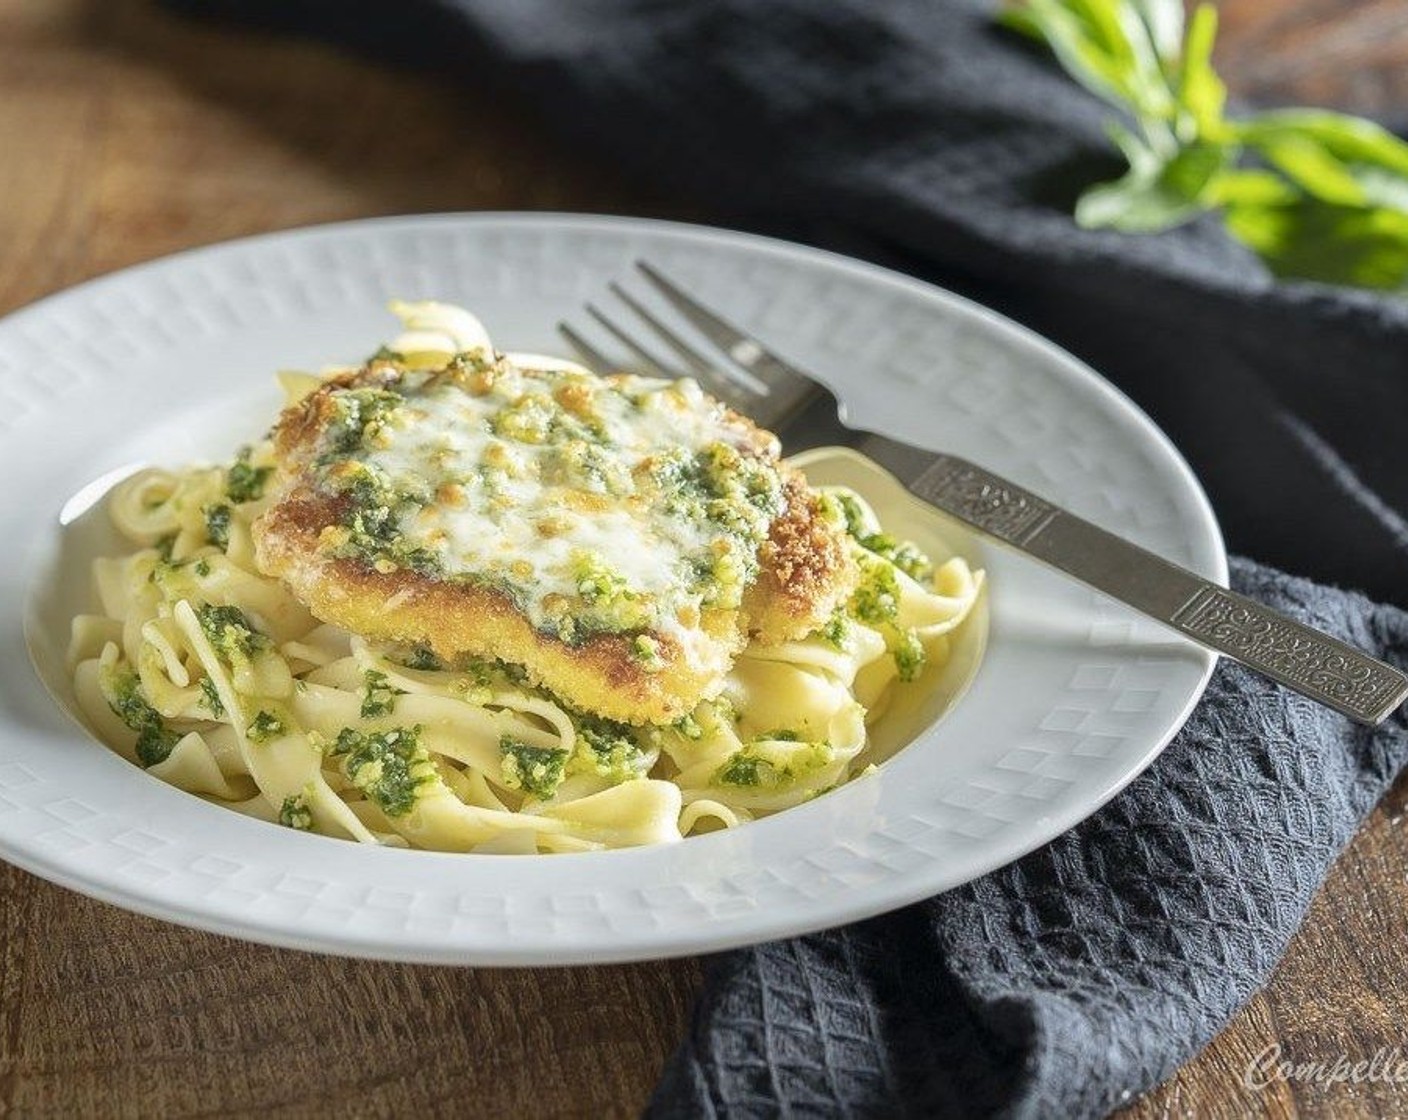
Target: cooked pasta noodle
[(216, 679)]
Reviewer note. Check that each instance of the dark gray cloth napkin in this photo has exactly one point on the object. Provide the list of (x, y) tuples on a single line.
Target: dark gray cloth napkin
[(914, 133), (1072, 980)]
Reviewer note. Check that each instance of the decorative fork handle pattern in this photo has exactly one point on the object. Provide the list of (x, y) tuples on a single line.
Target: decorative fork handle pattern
[(1315, 664)]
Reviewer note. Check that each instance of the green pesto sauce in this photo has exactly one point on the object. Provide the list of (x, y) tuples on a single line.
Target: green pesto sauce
[(378, 695), (230, 632), (217, 525), (174, 576), (422, 659), (388, 766), (265, 726), (876, 602), (851, 512), (689, 727), (212, 697), (360, 412), (535, 418), (909, 654), (372, 520), (645, 651), (905, 555), (744, 769), (535, 770), (607, 749), (155, 740), (876, 599), (294, 813), (836, 629), (244, 483), (761, 767)]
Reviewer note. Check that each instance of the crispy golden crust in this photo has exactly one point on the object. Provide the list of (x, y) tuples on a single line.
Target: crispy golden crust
[(302, 422), (805, 573), (600, 675), (805, 570)]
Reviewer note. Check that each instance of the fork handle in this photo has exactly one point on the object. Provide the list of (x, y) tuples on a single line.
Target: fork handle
[(1298, 656)]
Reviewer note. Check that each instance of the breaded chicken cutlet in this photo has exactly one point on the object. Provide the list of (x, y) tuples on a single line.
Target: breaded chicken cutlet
[(618, 538)]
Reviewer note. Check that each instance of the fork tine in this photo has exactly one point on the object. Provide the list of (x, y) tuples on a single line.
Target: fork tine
[(747, 351), (692, 357), (594, 358), (642, 355), (717, 381)]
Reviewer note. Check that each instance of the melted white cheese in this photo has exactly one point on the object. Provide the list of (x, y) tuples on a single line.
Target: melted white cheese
[(545, 484)]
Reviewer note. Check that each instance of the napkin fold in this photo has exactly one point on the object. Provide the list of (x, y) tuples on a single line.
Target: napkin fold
[(917, 134)]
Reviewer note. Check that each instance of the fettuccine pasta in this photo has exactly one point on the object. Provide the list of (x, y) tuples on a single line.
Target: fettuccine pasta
[(217, 679)]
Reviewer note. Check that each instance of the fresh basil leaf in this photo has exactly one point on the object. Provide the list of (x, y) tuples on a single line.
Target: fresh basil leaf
[(1148, 72), (1307, 164), (1312, 240), (1142, 158), (1351, 139), (1115, 48), (1338, 159), (1081, 44), (1100, 21), (1382, 187), (1250, 187), (1200, 91), (1164, 21), (1155, 196), (1327, 196)]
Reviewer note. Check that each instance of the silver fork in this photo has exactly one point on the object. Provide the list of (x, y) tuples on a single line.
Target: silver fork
[(804, 413)]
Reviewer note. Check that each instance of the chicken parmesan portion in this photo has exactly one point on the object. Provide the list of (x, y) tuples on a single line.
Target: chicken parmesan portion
[(618, 539)]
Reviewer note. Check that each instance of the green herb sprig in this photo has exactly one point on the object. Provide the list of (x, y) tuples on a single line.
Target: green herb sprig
[(1318, 195)]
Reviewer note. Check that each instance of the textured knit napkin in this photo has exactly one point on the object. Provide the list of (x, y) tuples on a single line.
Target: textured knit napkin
[(1072, 980), (915, 133)]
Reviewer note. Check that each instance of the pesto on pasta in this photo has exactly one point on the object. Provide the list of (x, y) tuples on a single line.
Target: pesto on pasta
[(213, 673)]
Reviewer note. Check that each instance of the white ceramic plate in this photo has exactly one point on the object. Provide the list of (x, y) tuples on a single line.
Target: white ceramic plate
[(173, 361)]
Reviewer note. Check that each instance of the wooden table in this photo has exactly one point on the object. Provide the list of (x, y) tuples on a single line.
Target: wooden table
[(128, 134)]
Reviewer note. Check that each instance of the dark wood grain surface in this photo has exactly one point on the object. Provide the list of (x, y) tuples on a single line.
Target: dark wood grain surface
[(127, 134)]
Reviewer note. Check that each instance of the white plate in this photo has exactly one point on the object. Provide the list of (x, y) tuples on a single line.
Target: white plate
[(173, 361)]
